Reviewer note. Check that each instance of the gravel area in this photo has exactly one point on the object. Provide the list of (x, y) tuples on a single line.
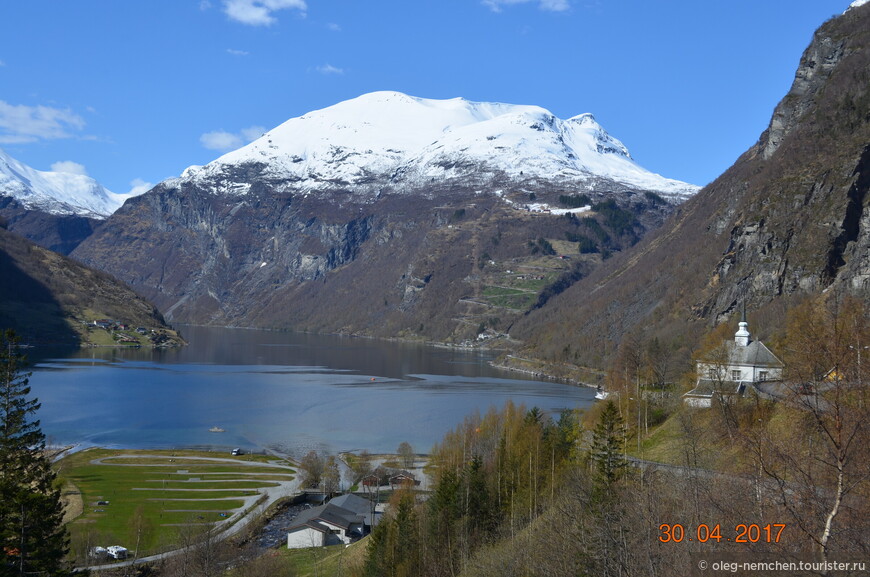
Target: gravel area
[(274, 534)]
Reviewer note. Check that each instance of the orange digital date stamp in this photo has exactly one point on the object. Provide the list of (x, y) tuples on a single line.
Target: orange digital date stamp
[(704, 533)]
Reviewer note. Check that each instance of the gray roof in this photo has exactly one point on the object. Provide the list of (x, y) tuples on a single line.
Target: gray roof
[(706, 388), (355, 503), (755, 354), (329, 513), (359, 505)]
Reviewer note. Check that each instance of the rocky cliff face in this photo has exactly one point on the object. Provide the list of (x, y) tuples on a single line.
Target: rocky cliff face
[(788, 219), (430, 265), (800, 224)]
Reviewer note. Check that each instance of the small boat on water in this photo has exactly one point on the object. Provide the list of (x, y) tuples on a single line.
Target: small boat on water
[(216, 430)]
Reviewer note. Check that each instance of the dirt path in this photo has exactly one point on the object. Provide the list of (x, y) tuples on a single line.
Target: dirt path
[(73, 504)]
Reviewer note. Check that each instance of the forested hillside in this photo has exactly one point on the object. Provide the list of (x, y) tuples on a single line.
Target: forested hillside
[(785, 479)]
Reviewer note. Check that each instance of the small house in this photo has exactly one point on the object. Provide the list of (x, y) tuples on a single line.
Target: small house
[(403, 479), (371, 480), (345, 519)]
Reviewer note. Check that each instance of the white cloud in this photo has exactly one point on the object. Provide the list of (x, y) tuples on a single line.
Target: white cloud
[(139, 186), (220, 140), (69, 167), (329, 69), (259, 12), (20, 123), (224, 141), (252, 133), (549, 5), (332, 26), (555, 5), (235, 52), (2, 63)]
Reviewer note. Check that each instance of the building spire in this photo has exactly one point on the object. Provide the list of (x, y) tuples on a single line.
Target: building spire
[(742, 336)]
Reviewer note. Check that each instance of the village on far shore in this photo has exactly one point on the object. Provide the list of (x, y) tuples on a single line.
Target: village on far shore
[(106, 332)]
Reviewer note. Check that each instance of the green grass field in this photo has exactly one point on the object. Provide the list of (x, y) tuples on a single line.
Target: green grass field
[(168, 489), (335, 560)]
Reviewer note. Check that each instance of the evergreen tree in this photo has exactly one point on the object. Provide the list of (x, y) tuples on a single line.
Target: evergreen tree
[(33, 539), (608, 445)]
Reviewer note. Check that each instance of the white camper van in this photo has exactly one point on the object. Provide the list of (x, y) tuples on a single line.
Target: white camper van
[(117, 552)]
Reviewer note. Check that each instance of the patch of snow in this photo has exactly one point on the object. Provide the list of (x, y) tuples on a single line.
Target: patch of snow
[(579, 210)]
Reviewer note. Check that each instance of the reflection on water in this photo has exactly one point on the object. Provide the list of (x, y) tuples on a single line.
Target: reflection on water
[(270, 388)]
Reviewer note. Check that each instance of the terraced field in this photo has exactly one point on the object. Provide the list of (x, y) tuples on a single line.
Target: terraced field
[(118, 497)]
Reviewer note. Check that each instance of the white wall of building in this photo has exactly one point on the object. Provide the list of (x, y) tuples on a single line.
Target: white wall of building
[(304, 538), (735, 373)]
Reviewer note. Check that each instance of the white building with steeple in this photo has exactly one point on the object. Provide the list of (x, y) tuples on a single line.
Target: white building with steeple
[(733, 368)]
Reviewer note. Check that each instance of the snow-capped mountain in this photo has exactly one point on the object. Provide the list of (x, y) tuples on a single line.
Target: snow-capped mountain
[(58, 193), (384, 214), (389, 140)]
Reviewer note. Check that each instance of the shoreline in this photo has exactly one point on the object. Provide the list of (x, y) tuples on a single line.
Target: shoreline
[(542, 370)]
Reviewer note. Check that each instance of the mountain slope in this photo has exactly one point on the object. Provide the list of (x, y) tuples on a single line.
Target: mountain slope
[(788, 219), (45, 297), (386, 215), (58, 232)]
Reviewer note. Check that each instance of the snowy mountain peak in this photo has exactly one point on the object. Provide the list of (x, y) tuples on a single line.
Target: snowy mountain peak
[(392, 140), (61, 193)]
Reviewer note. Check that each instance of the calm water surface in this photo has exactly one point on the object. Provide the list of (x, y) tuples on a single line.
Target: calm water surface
[(269, 389)]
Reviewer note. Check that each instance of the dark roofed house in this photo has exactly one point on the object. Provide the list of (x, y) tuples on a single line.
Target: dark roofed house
[(403, 479), (371, 480), (732, 368), (343, 520), (363, 507)]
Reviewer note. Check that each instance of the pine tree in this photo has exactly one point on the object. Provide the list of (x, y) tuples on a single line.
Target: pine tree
[(33, 539), (608, 446)]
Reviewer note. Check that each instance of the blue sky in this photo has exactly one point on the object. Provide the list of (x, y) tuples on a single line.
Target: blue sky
[(132, 92)]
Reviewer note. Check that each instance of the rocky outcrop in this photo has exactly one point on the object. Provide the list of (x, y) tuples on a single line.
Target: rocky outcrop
[(816, 66)]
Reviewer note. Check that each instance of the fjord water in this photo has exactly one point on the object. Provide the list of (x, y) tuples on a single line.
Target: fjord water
[(292, 392)]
